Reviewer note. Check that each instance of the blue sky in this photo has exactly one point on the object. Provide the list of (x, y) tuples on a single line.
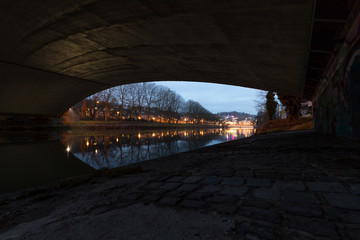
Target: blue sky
[(216, 97)]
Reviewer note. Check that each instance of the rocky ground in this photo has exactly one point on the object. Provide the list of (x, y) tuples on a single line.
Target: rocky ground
[(294, 185)]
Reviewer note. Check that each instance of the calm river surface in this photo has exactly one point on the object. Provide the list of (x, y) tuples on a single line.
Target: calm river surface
[(32, 160), (114, 149)]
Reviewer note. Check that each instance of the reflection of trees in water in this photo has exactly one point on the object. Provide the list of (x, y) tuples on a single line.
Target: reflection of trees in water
[(123, 149)]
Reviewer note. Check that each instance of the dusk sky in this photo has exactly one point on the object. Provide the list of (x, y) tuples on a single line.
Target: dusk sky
[(216, 97)]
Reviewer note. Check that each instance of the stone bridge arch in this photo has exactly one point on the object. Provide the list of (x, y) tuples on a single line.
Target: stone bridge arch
[(53, 55)]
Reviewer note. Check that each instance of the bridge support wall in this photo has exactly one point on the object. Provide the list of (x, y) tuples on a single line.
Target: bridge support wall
[(337, 101)]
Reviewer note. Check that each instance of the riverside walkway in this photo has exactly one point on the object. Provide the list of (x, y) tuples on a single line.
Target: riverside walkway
[(294, 185)]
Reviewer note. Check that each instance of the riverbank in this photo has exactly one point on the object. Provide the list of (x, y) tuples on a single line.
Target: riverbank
[(293, 185), (141, 125), (281, 125)]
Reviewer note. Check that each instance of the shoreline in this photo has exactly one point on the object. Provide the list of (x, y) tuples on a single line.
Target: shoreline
[(134, 125), (264, 185)]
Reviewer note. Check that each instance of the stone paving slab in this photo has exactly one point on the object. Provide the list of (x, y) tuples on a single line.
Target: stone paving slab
[(287, 185), (233, 181), (267, 194), (258, 182), (326, 187), (298, 185), (300, 197), (341, 200)]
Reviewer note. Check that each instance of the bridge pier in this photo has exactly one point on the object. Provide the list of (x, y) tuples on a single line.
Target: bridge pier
[(28, 122)]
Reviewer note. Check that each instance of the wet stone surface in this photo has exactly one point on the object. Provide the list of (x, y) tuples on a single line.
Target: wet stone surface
[(281, 186)]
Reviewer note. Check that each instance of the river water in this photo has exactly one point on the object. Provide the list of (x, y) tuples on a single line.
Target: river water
[(31, 160)]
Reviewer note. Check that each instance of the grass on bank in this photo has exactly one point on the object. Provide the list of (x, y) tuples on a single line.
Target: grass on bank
[(285, 125)]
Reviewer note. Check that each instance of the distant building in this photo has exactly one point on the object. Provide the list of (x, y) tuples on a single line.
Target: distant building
[(246, 122), (230, 120), (283, 114), (306, 108)]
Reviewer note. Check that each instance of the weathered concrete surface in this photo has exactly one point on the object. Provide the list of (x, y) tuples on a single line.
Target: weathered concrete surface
[(54, 54), (286, 186)]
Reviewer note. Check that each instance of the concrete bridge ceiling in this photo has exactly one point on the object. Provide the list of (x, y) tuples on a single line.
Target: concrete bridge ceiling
[(54, 53), (331, 23)]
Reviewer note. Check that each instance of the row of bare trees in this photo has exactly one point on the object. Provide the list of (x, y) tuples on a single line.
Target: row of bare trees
[(144, 100)]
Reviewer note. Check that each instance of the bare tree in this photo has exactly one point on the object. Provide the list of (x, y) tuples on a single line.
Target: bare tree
[(122, 96), (176, 102), (196, 111), (163, 103), (260, 101), (140, 96), (150, 94), (107, 96), (93, 104), (260, 104), (132, 99), (167, 103), (160, 100)]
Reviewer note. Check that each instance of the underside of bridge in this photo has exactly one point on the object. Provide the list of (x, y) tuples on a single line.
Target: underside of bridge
[(53, 54)]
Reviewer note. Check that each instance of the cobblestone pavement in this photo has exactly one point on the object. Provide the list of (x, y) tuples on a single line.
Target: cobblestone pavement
[(299, 185)]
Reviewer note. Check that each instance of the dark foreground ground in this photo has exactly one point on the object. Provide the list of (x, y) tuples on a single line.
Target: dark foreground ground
[(298, 185)]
